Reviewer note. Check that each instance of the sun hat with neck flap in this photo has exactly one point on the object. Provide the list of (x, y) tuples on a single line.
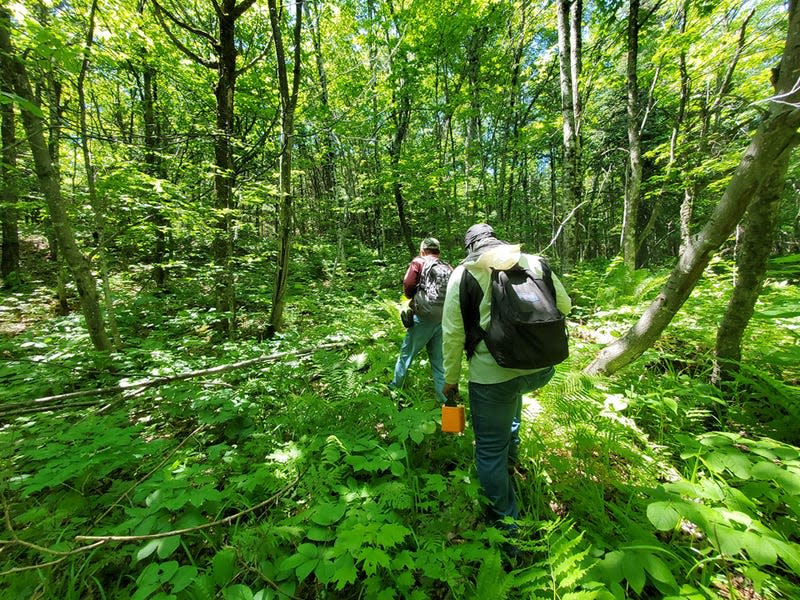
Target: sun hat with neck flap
[(477, 233)]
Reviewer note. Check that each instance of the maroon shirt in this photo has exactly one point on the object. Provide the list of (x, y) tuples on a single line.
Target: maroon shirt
[(411, 280)]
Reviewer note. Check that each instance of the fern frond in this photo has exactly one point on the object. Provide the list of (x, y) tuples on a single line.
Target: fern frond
[(565, 563), (492, 581), (395, 494)]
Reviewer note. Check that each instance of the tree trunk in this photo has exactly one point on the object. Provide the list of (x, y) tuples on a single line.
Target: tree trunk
[(224, 48), (288, 105), (401, 115), (48, 181), (98, 207), (9, 262), (223, 173), (751, 268), (775, 138), (153, 168), (632, 189), (571, 171), (330, 183)]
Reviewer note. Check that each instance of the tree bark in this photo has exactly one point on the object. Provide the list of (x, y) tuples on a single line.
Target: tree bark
[(568, 66), (751, 261), (9, 262), (775, 138), (632, 189), (288, 104), (98, 207), (751, 268), (153, 168), (224, 48), (50, 186)]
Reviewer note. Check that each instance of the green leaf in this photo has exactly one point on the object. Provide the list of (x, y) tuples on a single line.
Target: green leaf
[(222, 566), (304, 569), (730, 541), (148, 549), (346, 572), (374, 558), (168, 569), (237, 592), (328, 514), (325, 571), (789, 480), (759, 549), (397, 468), (633, 571), (24, 104), (658, 570), (320, 534), (664, 516), (184, 576), (392, 534), (168, 545)]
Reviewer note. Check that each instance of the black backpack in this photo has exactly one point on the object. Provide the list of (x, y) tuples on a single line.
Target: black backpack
[(526, 329), (431, 289)]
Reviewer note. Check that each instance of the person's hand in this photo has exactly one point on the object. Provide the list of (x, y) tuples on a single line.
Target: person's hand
[(450, 388)]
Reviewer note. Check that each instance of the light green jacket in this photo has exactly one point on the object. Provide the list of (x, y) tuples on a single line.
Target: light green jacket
[(482, 366)]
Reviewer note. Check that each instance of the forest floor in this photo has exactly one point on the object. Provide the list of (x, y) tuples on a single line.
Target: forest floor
[(35, 301)]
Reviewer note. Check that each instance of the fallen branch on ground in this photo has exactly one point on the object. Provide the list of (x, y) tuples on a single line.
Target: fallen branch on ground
[(127, 387)]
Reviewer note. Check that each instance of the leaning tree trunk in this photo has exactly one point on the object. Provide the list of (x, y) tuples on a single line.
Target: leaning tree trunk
[(48, 181), (775, 138), (751, 267)]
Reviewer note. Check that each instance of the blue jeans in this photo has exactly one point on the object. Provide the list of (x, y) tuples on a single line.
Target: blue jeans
[(496, 413), (423, 334)]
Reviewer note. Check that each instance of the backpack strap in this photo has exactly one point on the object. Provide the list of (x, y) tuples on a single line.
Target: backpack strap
[(470, 296)]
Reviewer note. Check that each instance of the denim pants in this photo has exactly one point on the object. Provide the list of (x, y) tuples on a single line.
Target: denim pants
[(423, 334), (496, 413)]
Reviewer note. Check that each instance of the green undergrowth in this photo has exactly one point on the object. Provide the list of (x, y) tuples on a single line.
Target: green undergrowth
[(299, 476)]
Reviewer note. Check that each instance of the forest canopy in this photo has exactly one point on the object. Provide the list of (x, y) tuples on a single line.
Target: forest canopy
[(207, 209)]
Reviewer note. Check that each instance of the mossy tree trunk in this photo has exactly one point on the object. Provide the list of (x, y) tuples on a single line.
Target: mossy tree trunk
[(77, 263)]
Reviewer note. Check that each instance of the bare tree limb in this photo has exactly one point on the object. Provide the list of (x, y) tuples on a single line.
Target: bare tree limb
[(163, 534), (210, 64), (136, 386)]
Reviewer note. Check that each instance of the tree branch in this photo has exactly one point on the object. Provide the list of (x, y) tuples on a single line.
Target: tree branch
[(125, 386), (180, 45), (163, 534)]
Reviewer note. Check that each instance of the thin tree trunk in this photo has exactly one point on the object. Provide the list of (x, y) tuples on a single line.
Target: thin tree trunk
[(94, 201), (571, 152), (225, 51), (153, 168), (571, 227), (330, 183), (48, 181), (288, 104), (776, 137), (632, 190)]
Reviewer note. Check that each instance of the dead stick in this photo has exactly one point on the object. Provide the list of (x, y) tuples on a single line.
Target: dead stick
[(163, 534), (124, 386)]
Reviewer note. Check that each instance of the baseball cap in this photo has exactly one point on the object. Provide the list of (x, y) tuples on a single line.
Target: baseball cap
[(430, 243)]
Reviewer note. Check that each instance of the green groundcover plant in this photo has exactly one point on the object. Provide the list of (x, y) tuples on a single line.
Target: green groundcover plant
[(299, 476)]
